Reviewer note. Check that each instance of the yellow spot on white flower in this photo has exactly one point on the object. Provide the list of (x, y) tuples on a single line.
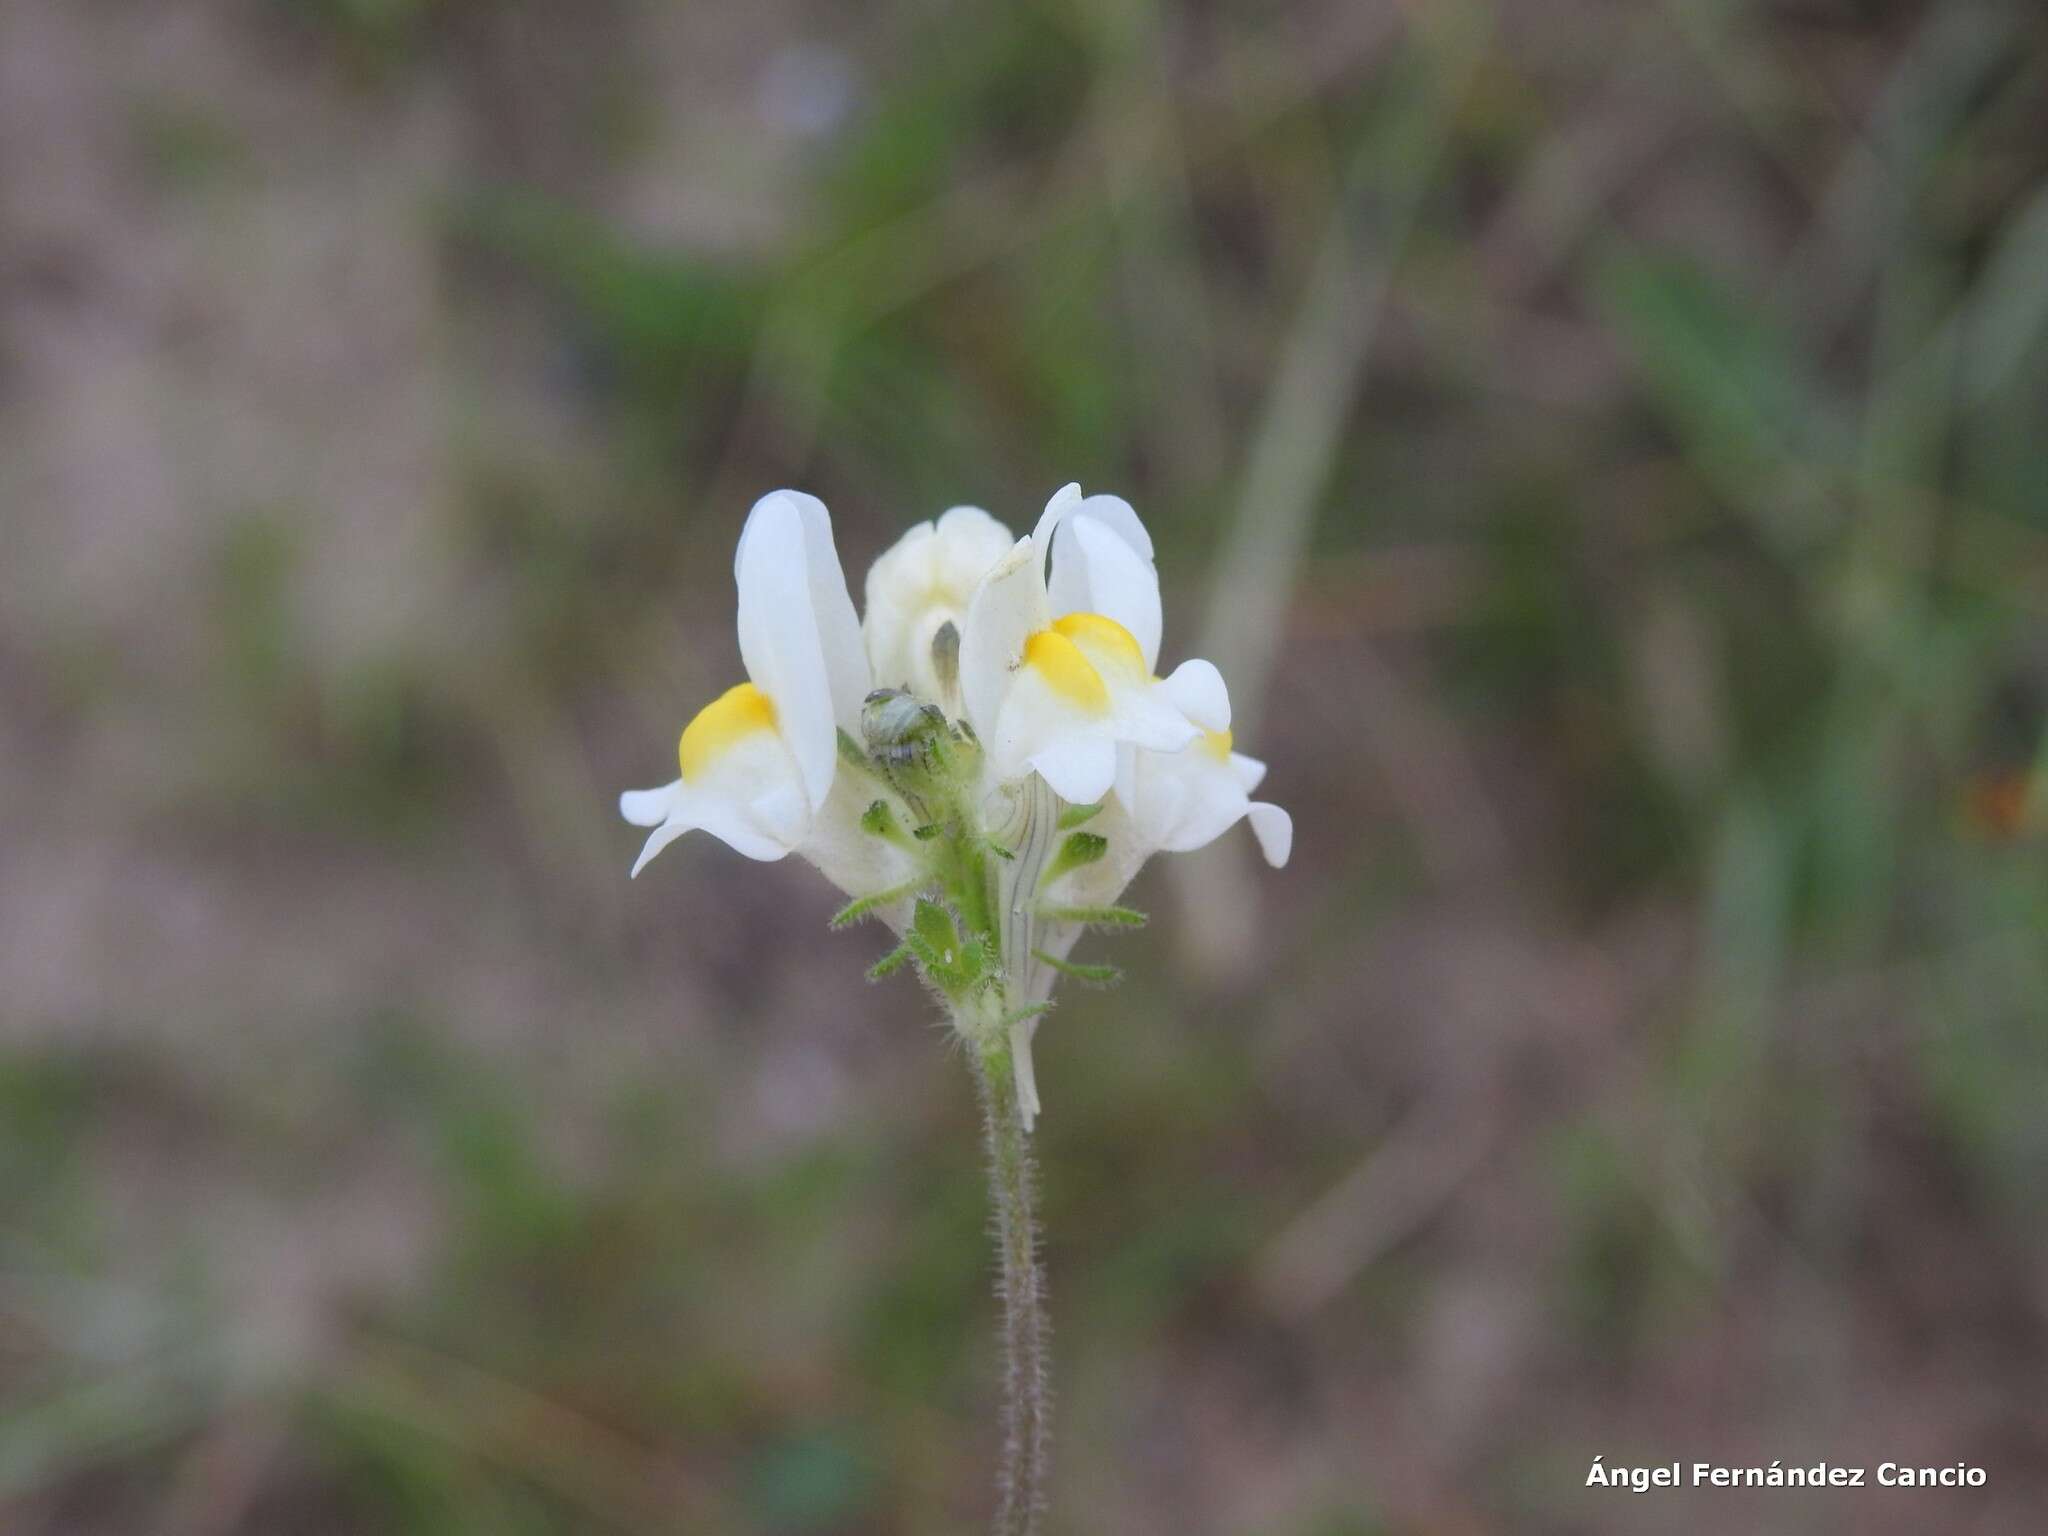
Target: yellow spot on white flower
[(1218, 744), (1067, 671), (733, 716), (1104, 642)]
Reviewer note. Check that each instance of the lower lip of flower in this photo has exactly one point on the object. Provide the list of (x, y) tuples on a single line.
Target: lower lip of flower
[(730, 718), (1069, 673)]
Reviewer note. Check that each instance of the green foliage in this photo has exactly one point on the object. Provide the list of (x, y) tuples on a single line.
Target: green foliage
[(952, 962), (1731, 383), (1025, 1014), (1000, 79), (187, 144), (1093, 975), (813, 1481), (864, 907), (677, 325), (1096, 917), (1079, 850), (879, 820), (892, 962)]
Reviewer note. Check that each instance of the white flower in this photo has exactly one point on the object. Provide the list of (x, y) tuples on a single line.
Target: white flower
[(923, 583), (1056, 676), (1031, 674), (758, 762)]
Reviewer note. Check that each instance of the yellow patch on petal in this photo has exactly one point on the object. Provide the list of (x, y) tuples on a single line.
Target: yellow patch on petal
[(1104, 641), (1218, 744), (1066, 671), (733, 716)]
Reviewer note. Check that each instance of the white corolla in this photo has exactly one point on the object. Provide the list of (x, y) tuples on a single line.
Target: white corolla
[(1176, 802), (918, 591), (758, 762), (1057, 673)]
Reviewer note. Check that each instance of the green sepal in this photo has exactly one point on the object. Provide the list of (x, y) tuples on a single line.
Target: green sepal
[(890, 963), (1096, 917), (949, 962), (878, 820), (1073, 816), (932, 926), (1021, 1015), (1080, 849), (865, 906), (928, 831), (981, 960), (1092, 975)]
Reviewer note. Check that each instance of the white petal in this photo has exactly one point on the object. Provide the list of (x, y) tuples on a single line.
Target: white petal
[(780, 813), (846, 854), (922, 583), (1080, 769), (1249, 772), (1008, 607), (1039, 716), (846, 668), (904, 565), (1274, 829), (1096, 569), (665, 834), (1204, 802), (728, 823), (896, 587), (779, 639), (1128, 785), (1121, 520), (1146, 717), (970, 528), (1113, 510), (1063, 502), (1098, 884), (1151, 805), (649, 807), (1197, 691), (749, 795)]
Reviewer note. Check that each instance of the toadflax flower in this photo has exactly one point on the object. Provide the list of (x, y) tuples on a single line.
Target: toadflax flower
[(984, 762), (917, 591), (760, 763), (1056, 675)]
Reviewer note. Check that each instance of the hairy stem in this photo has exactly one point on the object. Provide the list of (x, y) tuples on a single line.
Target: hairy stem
[(1027, 1399)]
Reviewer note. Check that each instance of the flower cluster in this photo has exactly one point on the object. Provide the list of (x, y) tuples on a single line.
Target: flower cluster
[(983, 763)]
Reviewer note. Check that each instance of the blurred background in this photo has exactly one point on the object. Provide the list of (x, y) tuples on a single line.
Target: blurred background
[(1606, 445)]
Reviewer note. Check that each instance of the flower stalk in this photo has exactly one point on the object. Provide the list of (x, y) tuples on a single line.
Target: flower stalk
[(1020, 1284)]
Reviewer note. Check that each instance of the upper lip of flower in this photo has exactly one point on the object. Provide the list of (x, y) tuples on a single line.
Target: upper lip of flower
[(916, 587), (799, 636)]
